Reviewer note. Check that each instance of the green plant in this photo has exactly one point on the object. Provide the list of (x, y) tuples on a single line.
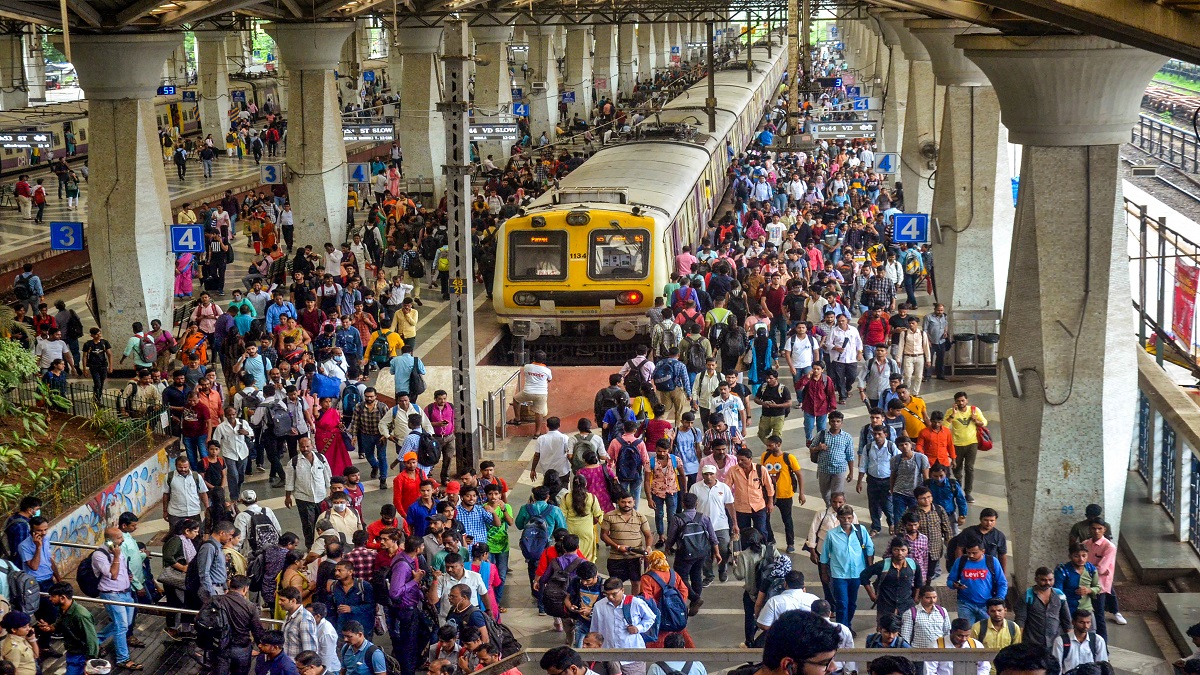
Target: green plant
[(49, 398), (11, 457), (35, 478), (9, 494), (16, 363), (107, 423)]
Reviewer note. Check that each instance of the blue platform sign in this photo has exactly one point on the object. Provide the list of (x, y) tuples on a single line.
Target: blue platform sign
[(187, 239), (368, 76), (166, 90), (66, 236), (887, 162), (189, 96), (518, 93), (239, 95), (1016, 188), (833, 31), (911, 228), (676, 50), (862, 102), (568, 97), (521, 109), (854, 91), (359, 173)]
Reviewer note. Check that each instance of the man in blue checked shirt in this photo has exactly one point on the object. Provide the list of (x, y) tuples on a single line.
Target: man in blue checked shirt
[(835, 456), (277, 310), (474, 518), (876, 470), (672, 381)]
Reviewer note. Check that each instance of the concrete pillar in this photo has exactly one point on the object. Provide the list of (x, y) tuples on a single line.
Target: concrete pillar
[(972, 199), (13, 92), (662, 45), (236, 51), (579, 71), (213, 66), (922, 118), (129, 209), (493, 87), (677, 42), (175, 68), (543, 68), (894, 90), (628, 56), (35, 64), (647, 53), (316, 153), (520, 38), (421, 131), (1071, 101), (605, 71), (879, 58)]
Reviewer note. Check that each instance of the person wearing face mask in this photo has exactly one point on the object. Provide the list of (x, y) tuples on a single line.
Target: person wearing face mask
[(341, 518)]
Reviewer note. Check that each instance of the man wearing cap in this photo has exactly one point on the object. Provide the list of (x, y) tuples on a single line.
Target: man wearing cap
[(244, 522), (715, 500), (406, 487)]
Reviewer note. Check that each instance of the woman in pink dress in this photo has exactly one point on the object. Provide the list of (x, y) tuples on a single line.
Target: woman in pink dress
[(594, 473), (184, 271), (329, 437), (393, 181)]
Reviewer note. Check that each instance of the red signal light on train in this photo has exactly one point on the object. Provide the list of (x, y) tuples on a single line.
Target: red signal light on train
[(630, 298)]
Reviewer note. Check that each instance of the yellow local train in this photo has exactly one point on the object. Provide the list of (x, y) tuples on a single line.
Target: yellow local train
[(577, 271)]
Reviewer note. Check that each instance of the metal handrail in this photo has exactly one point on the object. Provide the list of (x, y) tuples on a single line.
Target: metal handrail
[(148, 608), (69, 544), (492, 414)]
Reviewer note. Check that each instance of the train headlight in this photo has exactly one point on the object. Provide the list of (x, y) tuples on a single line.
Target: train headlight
[(578, 218), (630, 298), (525, 298), (537, 221)]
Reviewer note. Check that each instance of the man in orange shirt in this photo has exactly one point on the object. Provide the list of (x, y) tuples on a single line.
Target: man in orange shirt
[(406, 488), (936, 441)]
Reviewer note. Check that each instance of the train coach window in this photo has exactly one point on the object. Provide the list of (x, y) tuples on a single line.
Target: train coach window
[(619, 254), (535, 256)]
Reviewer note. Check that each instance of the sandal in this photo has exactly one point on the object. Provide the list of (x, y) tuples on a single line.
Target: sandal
[(134, 642), (503, 610), (131, 665)]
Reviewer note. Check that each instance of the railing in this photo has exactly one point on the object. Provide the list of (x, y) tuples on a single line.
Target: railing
[(495, 427), (1171, 144), (87, 547), (152, 609), (84, 401)]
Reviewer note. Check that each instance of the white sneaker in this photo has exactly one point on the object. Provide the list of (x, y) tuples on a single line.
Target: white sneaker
[(1119, 620)]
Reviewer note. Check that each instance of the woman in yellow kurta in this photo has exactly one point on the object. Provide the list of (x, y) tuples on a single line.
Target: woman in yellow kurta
[(583, 513)]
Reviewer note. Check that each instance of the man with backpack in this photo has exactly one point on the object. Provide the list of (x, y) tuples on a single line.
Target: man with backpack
[(307, 479), (537, 521), (110, 572), (672, 381), (694, 350), (610, 397), (141, 347), (27, 287), (1081, 651), (227, 628), (360, 656), (631, 458), (638, 371), (997, 631), (622, 619), (665, 335), (257, 523), (16, 528), (978, 577), (692, 537)]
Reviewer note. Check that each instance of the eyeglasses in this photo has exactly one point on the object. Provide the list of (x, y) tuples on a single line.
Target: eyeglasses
[(826, 665)]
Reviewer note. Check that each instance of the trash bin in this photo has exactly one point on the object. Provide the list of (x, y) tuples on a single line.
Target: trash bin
[(964, 349), (987, 349)]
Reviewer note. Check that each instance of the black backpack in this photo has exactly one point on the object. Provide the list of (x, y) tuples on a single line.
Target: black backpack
[(554, 590), (629, 461), (416, 268), (428, 452), (635, 379), (213, 632), (257, 571), (693, 539), (687, 668), (22, 288), (735, 344), (86, 577), (500, 635), (262, 532), (695, 356), (281, 421), (191, 577), (428, 247)]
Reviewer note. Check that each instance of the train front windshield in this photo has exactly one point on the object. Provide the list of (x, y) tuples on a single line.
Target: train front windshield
[(537, 256), (619, 254)]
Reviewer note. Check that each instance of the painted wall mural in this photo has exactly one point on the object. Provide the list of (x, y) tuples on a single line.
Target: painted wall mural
[(135, 491)]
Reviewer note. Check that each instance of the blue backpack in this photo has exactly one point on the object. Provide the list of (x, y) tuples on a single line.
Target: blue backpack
[(535, 537), (650, 634), (673, 612), (629, 461), (325, 386)]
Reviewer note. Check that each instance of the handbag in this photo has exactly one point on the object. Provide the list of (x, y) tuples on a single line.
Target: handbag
[(612, 486), (982, 436), (171, 577)]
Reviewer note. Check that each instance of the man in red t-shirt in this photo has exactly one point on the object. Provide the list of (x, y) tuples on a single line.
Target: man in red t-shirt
[(406, 487)]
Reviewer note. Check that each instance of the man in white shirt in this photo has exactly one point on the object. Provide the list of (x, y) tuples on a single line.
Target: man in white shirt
[(184, 495), (535, 392), (551, 453), (231, 434), (456, 573), (795, 597), (50, 348), (333, 260), (800, 350), (823, 609), (245, 519), (393, 426), (715, 500), (609, 619), (1084, 647), (259, 298), (306, 484), (846, 349), (960, 638), (327, 638)]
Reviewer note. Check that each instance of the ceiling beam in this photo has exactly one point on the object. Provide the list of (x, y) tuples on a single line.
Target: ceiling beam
[(1147, 25), (86, 12), (203, 9), (135, 11), (294, 7), (27, 11)]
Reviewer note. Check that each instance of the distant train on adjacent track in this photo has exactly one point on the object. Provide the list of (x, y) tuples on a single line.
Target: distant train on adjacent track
[(577, 271)]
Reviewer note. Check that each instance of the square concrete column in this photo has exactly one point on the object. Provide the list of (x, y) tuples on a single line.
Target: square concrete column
[(647, 52), (543, 68), (922, 119), (493, 86), (35, 64), (316, 153), (236, 51), (129, 210), (175, 69), (972, 199), (13, 91), (605, 72), (579, 71), (213, 65), (421, 130), (894, 90), (662, 45), (628, 58), (1068, 325)]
